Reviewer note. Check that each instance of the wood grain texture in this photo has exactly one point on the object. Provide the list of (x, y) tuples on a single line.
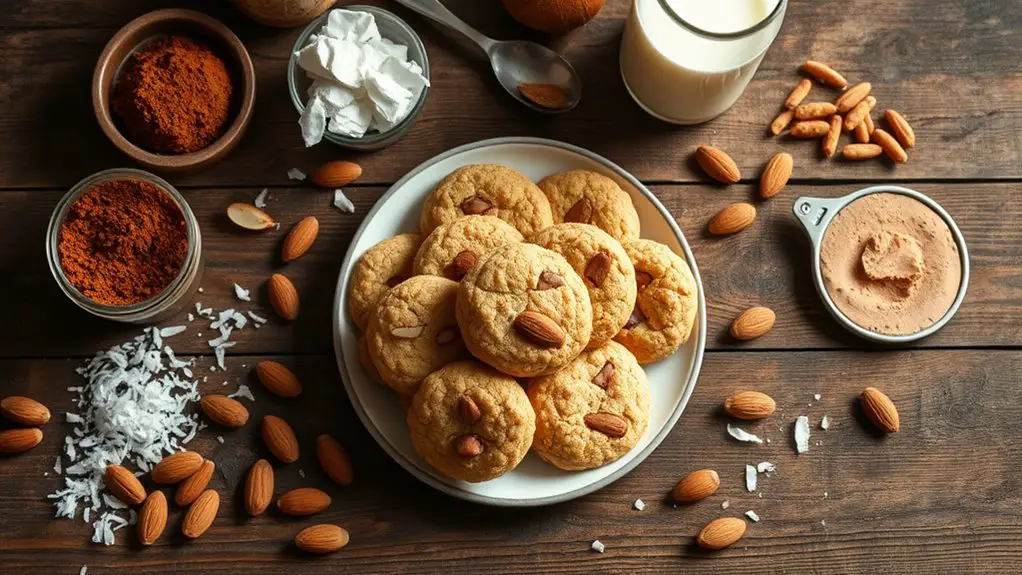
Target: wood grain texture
[(766, 264), (941, 495), (950, 67)]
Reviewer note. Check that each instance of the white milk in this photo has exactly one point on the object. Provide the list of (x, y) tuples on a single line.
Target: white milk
[(681, 76)]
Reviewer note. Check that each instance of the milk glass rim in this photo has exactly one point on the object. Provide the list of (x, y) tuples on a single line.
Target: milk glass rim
[(762, 24)]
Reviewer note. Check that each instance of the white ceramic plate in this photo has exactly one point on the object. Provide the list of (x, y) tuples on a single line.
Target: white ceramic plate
[(533, 482)]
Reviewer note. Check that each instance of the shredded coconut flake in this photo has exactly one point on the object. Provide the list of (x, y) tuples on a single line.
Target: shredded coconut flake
[(765, 467), (341, 202), (84, 571), (817, 396), (750, 478), (639, 505), (725, 504), (802, 434), (260, 200), (742, 435), (257, 318), (241, 293), (301, 473), (825, 423), (243, 391), (220, 438), (296, 174), (57, 466), (598, 547), (752, 515)]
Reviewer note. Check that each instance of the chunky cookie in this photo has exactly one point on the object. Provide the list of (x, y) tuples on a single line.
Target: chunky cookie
[(471, 422), (454, 248), (665, 307), (591, 412), (487, 190), (412, 331), (523, 310), (604, 267), (380, 268), (585, 197)]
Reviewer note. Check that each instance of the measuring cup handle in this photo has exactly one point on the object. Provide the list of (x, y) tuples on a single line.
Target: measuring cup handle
[(814, 213)]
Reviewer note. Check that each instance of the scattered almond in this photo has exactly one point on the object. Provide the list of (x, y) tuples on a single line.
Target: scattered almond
[(605, 376), (549, 96), (468, 445), (798, 94), (581, 212), (696, 486), (717, 164), (259, 488), (123, 484), (300, 239), (250, 217), (201, 514), (753, 323), (468, 410), (177, 467), (334, 460), (25, 411), (890, 146), (336, 174), (19, 440), (861, 151), (749, 405), (810, 129), (474, 206), (598, 267), (880, 410), (721, 533), (609, 424), (781, 122), (815, 110), (152, 518), (191, 488), (900, 128), (321, 539), (852, 96), (824, 74), (549, 280), (280, 439), (460, 265), (831, 139), (224, 410), (539, 329), (776, 175), (278, 379), (856, 115), (303, 501), (732, 219), (283, 297)]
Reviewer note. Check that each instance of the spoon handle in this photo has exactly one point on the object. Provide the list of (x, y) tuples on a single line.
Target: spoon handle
[(437, 12)]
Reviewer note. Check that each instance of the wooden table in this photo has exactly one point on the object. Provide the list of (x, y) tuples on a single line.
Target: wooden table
[(941, 496)]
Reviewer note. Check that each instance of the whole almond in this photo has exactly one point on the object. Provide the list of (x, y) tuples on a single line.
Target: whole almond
[(336, 174), (856, 115), (717, 164), (283, 297), (303, 501), (25, 411), (19, 440), (824, 74), (810, 129), (776, 175), (191, 488), (474, 206), (861, 151), (460, 264), (815, 110), (539, 329), (581, 212), (750, 405), (598, 267), (609, 424), (696, 486), (278, 379), (732, 219), (468, 410), (781, 121), (861, 131), (900, 128), (447, 335), (224, 410), (201, 514), (605, 376), (798, 93), (300, 239), (334, 460), (852, 96), (321, 539), (890, 146), (468, 445), (721, 533), (880, 410), (280, 439), (753, 323), (124, 485), (549, 280), (259, 488), (152, 518), (177, 467), (831, 139)]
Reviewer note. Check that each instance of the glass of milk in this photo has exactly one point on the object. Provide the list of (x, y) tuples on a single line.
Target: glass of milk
[(688, 61)]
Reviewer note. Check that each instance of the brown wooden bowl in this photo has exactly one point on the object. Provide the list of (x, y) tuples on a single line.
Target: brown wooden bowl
[(190, 23)]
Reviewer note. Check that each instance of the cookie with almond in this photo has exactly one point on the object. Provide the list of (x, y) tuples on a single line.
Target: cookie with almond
[(454, 248), (584, 197), (591, 412), (380, 268)]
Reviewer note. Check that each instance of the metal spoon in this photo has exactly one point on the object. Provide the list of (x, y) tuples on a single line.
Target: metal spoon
[(514, 62)]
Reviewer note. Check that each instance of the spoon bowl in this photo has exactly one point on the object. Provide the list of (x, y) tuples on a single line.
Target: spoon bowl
[(519, 62)]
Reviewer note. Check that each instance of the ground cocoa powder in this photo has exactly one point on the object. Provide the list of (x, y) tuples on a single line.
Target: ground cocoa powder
[(122, 242), (174, 96)]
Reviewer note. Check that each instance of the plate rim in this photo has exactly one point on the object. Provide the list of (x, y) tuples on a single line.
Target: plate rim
[(414, 469)]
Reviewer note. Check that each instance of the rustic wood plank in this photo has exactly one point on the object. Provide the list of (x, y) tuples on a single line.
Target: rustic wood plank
[(939, 496), (767, 264), (950, 67)]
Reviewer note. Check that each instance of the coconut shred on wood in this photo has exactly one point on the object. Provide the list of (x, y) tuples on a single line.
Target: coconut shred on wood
[(742, 435)]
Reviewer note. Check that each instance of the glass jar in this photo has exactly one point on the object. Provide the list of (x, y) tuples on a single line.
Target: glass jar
[(170, 299), (688, 61)]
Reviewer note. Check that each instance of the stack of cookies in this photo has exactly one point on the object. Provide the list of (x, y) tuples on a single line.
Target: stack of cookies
[(519, 319)]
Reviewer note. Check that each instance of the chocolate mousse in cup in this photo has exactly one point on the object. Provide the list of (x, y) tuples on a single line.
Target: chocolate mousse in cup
[(688, 61), (889, 263)]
